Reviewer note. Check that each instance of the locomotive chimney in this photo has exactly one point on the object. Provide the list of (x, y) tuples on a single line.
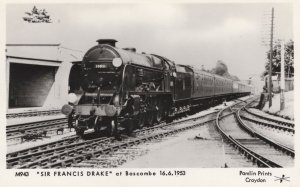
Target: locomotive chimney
[(111, 42), (131, 49)]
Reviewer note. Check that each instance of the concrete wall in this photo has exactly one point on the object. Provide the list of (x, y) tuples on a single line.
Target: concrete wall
[(51, 56), (30, 84), (37, 51), (59, 91)]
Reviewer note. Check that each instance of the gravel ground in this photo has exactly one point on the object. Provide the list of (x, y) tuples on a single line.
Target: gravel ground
[(201, 147), (16, 145), (289, 105), (184, 150), (279, 136), (230, 126)]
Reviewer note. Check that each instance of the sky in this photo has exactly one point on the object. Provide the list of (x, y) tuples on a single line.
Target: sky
[(192, 34)]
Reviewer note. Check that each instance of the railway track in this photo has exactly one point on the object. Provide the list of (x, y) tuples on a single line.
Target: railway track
[(19, 130), (260, 120), (121, 149), (274, 133), (251, 143), (270, 119), (71, 151), (33, 113)]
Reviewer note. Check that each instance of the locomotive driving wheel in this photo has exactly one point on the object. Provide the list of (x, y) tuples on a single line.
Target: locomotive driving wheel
[(149, 118), (97, 126), (141, 120), (97, 129), (79, 132), (111, 129), (129, 126), (158, 116)]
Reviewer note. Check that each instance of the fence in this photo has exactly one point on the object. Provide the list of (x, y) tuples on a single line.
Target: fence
[(289, 85)]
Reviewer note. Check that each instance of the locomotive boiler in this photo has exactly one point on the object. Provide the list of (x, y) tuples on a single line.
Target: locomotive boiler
[(116, 90)]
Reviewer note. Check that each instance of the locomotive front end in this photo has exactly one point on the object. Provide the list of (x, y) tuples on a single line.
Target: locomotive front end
[(94, 90)]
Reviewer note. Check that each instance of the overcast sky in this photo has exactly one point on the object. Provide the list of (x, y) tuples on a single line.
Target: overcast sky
[(192, 34)]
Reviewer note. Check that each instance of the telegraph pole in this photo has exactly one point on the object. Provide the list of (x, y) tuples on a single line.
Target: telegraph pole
[(271, 60), (282, 77)]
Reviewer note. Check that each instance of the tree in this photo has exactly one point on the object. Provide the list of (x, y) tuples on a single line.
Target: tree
[(276, 62)]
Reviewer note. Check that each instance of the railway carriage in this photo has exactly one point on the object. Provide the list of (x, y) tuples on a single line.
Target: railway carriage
[(182, 90), (242, 88)]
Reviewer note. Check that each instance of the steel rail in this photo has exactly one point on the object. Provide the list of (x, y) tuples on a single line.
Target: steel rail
[(31, 126), (81, 153), (33, 113), (285, 149), (41, 147), (78, 157), (291, 125), (107, 150), (37, 153), (280, 127), (260, 160), (37, 157)]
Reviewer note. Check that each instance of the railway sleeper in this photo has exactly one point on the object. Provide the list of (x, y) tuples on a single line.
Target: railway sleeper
[(275, 126), (273, 120), (150, 138)]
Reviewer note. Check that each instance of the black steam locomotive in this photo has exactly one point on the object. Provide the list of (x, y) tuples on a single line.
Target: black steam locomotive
[(113, 90)]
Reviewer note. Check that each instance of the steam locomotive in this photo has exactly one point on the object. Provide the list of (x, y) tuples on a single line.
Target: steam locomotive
[(116, 90)]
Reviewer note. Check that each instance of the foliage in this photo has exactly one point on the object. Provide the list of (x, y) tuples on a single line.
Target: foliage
[(276, 62)]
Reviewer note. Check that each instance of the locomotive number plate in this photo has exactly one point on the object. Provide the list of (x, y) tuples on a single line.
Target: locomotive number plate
[(100, 66)]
